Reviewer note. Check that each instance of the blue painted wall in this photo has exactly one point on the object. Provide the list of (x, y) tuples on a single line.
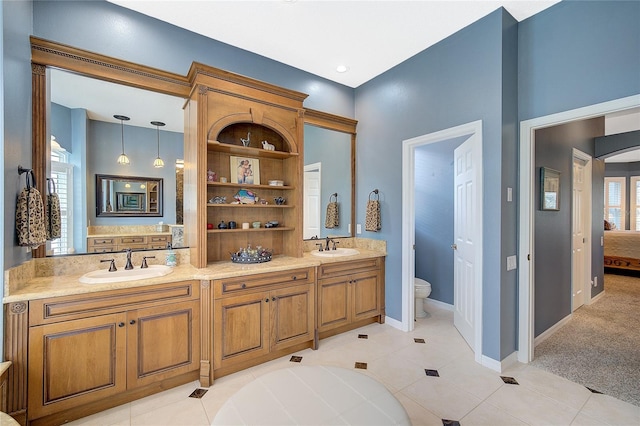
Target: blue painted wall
[(578, 53), (457, 81), (16, 82)]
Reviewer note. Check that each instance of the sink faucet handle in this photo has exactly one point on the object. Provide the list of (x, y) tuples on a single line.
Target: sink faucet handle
[(144, 261), (112, 267), (334, 243), (319, 246), (129, 265)]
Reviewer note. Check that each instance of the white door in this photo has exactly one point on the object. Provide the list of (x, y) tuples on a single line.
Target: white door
[(311, 211), (464, 247), (579, 233)]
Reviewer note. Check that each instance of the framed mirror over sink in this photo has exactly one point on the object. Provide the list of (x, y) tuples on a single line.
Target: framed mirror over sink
[(128, 196)]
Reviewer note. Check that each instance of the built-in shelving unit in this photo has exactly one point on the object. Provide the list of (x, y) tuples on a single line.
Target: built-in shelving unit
[(231, 119)]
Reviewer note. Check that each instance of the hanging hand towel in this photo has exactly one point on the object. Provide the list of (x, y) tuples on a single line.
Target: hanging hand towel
[(53, 222), (30, 223), (331, 221), (372, 219)]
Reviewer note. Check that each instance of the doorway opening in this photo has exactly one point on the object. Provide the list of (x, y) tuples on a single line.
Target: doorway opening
[(473, 309), (527, 178)]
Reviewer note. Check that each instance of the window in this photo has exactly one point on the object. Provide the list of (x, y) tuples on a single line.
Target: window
[(635, 203), (62, 176), (614, 201)]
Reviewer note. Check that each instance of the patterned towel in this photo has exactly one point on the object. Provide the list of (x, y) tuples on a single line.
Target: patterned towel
[(30, 223), (331, 221), (373, 221), (53, 223)]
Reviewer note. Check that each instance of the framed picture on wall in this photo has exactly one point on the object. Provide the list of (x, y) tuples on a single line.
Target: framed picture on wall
[(245, 170), (549, 189)]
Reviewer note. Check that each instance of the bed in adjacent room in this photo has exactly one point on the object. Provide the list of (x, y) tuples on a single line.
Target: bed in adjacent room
[(622, 250)]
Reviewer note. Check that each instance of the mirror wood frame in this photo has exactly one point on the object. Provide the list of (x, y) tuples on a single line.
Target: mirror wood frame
[(48, 54)]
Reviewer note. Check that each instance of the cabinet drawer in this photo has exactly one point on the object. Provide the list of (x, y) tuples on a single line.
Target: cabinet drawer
[(158, 239), (260, 281), (102, 249), (347, 268), (65, 308), (138, 239), (102, 241)]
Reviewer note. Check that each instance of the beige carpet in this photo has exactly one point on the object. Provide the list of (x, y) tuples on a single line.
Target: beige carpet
[(600, 346)]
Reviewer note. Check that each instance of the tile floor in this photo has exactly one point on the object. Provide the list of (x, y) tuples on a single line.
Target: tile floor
[(437, 381)]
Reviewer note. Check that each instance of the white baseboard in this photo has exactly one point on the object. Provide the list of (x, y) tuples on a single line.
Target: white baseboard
[(500, 366), (596, 297), (439, 304), (394, 323), (551, 330)]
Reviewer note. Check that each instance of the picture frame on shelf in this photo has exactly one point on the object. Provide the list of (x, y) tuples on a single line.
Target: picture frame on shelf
[(245, 170), (549, 189)]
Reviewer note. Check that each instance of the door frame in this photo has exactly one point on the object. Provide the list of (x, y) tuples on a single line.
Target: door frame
[(313, 167), (474, 131), (588, 168), (526, 278)]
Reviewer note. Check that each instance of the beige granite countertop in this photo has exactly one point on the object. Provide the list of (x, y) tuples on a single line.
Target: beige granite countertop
[(58, 281)]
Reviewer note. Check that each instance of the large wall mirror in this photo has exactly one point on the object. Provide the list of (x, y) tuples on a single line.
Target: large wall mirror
[(329, 176), (92, 139)]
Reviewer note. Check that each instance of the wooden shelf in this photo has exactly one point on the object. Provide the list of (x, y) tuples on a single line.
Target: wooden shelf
[(248, 151), (244, 186), (263, 229)]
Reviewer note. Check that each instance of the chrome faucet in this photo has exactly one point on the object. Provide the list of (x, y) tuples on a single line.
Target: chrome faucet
[(129, 265)]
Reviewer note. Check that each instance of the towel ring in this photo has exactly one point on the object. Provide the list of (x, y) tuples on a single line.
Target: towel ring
[(335, 194), (375, 191)]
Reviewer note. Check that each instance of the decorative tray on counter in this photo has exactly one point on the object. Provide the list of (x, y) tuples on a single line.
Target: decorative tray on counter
[(249, 255)]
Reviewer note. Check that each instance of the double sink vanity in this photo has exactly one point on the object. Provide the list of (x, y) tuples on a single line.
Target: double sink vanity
[(81, 342), (82, 339)]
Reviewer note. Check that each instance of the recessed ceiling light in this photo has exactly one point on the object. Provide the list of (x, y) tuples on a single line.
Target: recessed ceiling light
[(342, 68)]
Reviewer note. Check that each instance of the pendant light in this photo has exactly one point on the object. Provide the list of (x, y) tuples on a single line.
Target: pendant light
[(122, 159), (158, 161)]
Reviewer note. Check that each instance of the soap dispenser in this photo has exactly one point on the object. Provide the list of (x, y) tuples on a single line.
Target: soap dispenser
[(171, 256)]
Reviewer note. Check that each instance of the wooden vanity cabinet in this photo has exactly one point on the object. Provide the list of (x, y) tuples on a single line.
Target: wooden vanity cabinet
[(255, 317), (349, 295), (106, 348)]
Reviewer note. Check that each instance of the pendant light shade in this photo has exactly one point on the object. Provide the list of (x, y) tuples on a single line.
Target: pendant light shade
[(157, 163), (122, 159)]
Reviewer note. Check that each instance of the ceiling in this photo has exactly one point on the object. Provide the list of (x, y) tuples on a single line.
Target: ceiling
[(368, 37)]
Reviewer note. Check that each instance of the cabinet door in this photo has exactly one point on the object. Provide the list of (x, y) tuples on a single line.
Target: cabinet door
[(365, 292), (333, 303), (241, 328), (163, 342), (76, 362), (292, 319)]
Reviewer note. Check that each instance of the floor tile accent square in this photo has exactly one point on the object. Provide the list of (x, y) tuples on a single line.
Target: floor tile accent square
[(509, 380), (593, 390), (361, 365), (419, 340), (446, 422), (198, 393), (295, 358), (363, 336), (431, 373)]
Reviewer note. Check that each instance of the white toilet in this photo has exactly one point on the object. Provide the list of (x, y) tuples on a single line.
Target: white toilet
[(422, 291)]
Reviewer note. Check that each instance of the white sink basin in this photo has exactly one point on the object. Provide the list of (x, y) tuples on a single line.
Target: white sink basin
[(339, 252), (103, 276)]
